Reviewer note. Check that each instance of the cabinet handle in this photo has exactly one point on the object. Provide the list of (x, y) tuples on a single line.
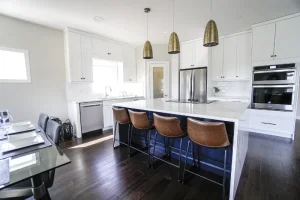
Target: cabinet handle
[(272, 56), (109, 53), (275, 55), (82, 78), (268, 123)]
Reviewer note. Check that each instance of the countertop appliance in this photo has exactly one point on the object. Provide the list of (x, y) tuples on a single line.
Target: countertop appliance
[(192, 86), (273, 87), (91, 116)]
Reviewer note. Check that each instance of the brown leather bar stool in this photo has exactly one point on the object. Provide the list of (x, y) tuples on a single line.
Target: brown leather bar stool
[(211, 135), (121, 117), (140, 121), (168, 127)]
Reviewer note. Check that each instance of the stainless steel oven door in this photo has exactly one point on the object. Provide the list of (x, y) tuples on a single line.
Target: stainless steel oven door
[(273, 97), (281, 76)]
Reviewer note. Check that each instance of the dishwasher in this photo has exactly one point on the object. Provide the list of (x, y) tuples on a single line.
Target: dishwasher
[(91, 116)]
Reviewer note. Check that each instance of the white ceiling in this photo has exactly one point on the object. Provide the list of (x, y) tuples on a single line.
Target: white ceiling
[(124, 20)]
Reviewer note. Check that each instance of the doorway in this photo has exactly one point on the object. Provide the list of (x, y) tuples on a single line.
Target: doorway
[(158, 80)]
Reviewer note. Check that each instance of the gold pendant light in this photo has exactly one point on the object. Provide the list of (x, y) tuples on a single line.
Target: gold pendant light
[(147, 52), (211, 35), (174, 46)]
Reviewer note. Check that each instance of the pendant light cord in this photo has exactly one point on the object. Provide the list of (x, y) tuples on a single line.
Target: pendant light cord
[(211, 9), (147, 26), (173, 14)]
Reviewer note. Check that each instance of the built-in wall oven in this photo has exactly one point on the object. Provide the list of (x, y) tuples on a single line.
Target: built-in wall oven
[(273, 87)]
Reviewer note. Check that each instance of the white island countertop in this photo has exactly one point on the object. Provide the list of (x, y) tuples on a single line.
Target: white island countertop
[(218, 110)]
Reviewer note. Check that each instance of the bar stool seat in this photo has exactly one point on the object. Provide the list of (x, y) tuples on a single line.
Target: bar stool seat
[(210, 135), (121, 117), (140, 121), (168, 127)]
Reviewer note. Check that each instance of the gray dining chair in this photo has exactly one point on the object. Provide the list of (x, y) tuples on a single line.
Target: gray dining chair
[(23, 189), (43, 119)]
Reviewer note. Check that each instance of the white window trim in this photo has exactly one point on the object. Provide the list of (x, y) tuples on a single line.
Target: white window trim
[(27, 65)]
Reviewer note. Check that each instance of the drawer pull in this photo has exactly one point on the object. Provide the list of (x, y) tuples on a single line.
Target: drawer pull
[(268, 123)]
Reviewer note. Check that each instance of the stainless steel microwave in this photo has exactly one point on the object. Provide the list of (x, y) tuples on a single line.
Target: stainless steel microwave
[(274, 74), (273, 97)]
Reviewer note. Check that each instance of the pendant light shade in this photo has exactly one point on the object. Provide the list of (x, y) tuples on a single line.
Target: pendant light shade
[(147, 52), (174, 46), (211, 35)]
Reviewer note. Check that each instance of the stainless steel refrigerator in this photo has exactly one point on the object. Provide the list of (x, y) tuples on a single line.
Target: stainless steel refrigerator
[(193, 85)]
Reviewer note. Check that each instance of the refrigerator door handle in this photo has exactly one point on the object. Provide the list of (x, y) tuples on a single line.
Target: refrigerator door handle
[(193, 86)]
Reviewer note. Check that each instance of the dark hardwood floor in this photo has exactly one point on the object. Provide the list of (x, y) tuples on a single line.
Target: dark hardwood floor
[(271, 171)]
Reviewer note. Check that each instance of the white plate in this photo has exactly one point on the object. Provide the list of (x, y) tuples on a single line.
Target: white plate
[(18, 144), (21, 136), (17, 129), (21, 123)]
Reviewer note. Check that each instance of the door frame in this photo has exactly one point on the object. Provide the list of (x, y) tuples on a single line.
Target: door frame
[(148, 85)]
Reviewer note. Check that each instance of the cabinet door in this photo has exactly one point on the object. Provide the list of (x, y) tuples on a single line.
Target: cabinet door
[(217, 61), (200, 54), (114, 51), (86, 58), (99, 48), (244, 43), (230, 53), (107, 116), (287, 41), (129, 65), (74, 56), (186, 55), (263, 42)]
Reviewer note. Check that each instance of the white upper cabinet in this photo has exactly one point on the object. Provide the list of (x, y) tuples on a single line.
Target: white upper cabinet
[(276, 40), (230, 58), (287, 40), (129, 64), (193, 54), (186, 55), (263, 42), (200, 54), (78, 57), (106, 50), (244, 47), (217, 61)]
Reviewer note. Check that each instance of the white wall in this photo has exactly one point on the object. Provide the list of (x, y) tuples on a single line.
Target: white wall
[(46, 92)]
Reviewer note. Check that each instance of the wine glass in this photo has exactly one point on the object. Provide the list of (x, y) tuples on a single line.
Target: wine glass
[(4, 117)]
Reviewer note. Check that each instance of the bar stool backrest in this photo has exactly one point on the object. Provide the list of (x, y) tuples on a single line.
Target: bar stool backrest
[(167, 126), (139, 120), (121, 115), (209, 134)]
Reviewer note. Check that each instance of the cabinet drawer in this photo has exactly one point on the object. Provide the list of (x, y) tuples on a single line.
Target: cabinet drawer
[(273, 124)]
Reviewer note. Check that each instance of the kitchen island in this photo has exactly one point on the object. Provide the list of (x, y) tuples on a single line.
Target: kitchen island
[(228, 112)]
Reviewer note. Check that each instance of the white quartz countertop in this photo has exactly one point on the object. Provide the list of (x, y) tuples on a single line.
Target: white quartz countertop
[(218, 110), (103, 99)]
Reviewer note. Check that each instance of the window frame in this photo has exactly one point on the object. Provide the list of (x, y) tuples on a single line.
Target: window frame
[(27, 65)]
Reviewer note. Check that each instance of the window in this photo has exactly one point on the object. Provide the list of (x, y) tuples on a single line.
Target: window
[(107, 73), (14, 66)]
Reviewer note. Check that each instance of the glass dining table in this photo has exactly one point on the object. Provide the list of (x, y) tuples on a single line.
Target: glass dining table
[(31, 166)]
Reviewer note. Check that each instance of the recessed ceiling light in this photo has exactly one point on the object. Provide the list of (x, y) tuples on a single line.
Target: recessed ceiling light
[(98, 19)]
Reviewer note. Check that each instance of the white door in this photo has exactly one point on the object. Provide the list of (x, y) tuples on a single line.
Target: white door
[(200, 54), (158, 80), (86, 58), (217, 61), (244, 43), (263, 42), (129, 65), (186, 55), (75, 56), (230, 51), (287, 42)]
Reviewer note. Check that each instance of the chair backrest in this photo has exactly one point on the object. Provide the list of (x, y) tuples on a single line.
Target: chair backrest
[(139, 120), (209, 134), (121, 115), (53, 130), (43, 119), (167, 126)]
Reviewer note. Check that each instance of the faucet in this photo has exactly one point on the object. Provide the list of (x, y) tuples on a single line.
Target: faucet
[(106, 94)]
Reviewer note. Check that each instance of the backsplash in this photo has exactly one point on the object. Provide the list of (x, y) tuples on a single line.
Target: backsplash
[(232, 88)]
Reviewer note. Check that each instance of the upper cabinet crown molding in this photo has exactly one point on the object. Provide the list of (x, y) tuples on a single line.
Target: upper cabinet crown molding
[(276, 20)]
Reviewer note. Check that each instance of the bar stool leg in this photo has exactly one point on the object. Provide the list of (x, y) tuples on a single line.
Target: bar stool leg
[(145, 138), (130, 141), (179, 170), (193, 154), (198, 156), (128, 138), (115, 130), (149, 147), (153, 154), (224, 174), (186, 155)]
